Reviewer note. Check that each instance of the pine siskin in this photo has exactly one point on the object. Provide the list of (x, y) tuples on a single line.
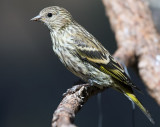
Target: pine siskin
[(84, 56)]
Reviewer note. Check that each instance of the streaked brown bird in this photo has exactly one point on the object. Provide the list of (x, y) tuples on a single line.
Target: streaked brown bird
[(83, 54)]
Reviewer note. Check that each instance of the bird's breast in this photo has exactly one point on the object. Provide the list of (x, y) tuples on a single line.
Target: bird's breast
[(63, 48)]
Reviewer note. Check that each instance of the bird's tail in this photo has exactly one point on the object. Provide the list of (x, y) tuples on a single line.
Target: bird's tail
[(133, 98), (130, 95)]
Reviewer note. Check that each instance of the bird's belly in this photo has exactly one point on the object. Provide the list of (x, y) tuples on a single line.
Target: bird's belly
[(98, 77), (75, 65), (86, 71)]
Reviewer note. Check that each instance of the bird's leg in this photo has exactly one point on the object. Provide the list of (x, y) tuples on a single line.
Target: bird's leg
[(75, 88), (90, 81)]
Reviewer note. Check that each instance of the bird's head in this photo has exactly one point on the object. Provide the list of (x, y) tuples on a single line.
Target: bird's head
[(54, 17)]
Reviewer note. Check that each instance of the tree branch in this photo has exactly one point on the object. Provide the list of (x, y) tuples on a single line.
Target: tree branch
[(72, 102), (138, 44)]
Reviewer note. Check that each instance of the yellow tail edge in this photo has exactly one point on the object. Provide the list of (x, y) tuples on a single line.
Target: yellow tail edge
[(133, 98)]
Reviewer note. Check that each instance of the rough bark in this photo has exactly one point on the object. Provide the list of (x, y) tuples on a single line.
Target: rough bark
[(72, 102), (138, 44)]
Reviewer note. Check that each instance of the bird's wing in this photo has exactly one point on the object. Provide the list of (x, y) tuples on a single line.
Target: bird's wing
[(90, 50)]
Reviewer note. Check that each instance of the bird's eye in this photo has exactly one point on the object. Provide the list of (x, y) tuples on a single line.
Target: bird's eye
[(49, 14)]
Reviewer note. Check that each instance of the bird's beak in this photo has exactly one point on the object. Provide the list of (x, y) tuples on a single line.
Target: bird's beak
[(37, 18)]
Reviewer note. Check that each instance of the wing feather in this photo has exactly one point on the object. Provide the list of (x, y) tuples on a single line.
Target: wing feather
[(92, 51)]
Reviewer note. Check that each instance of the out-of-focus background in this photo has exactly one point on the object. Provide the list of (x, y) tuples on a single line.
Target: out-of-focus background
[(32, 79)]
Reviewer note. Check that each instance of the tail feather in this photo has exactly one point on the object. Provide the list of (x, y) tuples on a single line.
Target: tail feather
[(133, 98), (128, 92)]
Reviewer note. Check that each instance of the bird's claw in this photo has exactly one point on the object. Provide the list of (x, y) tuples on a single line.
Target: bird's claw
[(73, 89)]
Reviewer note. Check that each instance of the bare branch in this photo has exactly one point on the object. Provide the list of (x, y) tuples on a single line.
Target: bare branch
[(72, 103)]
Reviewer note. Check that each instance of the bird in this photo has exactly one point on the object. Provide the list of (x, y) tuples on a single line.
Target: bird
[(83, 55)]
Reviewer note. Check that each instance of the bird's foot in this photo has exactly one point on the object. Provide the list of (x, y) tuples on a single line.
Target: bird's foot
[(75, 89), (90, 81)]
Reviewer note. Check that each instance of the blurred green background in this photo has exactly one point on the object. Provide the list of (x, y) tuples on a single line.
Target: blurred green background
[(32, 79)]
